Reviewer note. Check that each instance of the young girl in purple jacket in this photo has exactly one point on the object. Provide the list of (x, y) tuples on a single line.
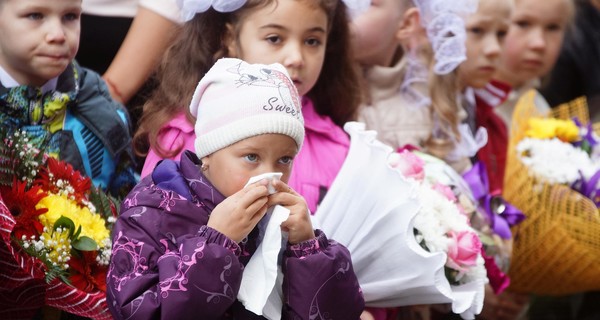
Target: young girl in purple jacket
[(188, 229)]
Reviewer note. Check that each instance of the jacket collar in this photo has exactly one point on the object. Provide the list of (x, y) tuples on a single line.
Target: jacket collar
[(322, 125), (201, 188)]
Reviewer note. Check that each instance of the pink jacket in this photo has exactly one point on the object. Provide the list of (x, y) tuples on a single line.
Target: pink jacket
[(179, 131), (321, 157)]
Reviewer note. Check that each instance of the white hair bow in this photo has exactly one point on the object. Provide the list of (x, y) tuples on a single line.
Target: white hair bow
[(356, 7), (445, 24), (189, 8)]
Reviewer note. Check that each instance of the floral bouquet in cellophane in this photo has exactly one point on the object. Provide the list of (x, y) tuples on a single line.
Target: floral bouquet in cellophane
[(551, 175), (409, 243), (489, 216), (55, 233)]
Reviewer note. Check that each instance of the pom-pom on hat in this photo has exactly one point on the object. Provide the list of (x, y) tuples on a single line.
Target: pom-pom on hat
[(236, 100)]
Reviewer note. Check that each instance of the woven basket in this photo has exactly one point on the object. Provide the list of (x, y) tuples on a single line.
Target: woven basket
[(557, 248)]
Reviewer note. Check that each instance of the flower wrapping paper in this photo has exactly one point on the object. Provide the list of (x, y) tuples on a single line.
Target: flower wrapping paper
[(370, 208), (556, 250)]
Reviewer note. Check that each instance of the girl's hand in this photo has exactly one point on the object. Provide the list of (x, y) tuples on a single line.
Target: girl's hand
[(238, 214), (298, 224)]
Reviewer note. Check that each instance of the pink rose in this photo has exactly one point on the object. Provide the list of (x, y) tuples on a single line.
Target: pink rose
[(445, 191), (410, 165), (463, 250)]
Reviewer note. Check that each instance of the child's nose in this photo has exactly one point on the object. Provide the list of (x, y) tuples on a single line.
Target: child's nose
[(293, 56), (266, 168), (538, 39), (492, 47), (56, 31)]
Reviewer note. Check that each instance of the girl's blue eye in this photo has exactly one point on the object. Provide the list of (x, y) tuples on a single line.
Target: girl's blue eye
[(71, 17), (251, 157), (286, 160), (35, 16)]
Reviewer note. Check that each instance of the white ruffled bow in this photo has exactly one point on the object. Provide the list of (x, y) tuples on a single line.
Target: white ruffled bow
[(189, 8), (445, 24)]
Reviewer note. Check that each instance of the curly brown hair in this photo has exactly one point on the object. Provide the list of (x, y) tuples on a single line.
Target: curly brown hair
[(201, 42)]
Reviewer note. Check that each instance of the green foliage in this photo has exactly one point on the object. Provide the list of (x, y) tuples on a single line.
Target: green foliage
[(106, 205)]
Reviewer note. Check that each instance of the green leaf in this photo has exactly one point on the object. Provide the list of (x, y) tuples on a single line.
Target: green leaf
[(65, 223), (76, 234), (103, 202), (586, 146), (85, 244)]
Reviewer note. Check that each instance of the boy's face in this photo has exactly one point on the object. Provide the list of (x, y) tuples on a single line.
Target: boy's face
[(275, 33), (38, 38), (230, 168), (534, 39), (485, 33)]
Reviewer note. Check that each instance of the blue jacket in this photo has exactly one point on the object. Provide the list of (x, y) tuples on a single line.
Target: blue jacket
[(90, 130)]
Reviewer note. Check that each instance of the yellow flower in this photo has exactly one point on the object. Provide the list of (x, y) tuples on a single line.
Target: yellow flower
[(92, 224), (59, 247), (565, 130)]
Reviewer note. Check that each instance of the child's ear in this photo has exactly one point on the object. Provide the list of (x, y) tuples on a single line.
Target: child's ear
[(411, 21), (230, 42), (205, 163)]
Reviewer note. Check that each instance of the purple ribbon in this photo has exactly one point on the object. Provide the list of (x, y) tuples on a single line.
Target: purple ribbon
[(501, 214), (588, 141), (589, 188)]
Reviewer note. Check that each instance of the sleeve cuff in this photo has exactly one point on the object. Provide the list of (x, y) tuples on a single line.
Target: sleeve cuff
[(308, 247), (213, 236), (166, 8)]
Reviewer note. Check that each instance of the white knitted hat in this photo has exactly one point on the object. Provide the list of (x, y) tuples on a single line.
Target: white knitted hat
[(236, 100)]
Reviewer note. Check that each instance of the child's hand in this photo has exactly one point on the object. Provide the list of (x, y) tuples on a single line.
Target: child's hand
[(298, 224), (238, 214)]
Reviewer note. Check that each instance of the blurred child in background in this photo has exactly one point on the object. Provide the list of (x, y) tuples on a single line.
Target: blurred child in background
[(531, 48)]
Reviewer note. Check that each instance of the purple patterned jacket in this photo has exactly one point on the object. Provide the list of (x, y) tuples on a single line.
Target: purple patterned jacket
[(167, 264)]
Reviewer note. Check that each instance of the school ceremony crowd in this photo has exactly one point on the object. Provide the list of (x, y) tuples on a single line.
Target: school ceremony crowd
[(300, 159)]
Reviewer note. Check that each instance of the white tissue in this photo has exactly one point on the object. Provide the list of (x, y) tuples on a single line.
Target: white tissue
[(266, 176), (258, 291)]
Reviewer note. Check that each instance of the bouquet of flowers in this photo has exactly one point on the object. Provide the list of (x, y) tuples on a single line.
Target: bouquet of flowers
[(409, 243), (55, 233), (552, 176), (489, 216), (562, 152)]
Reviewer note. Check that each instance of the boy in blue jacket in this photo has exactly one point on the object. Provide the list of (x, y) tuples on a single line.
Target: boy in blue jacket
[(46, 93)]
